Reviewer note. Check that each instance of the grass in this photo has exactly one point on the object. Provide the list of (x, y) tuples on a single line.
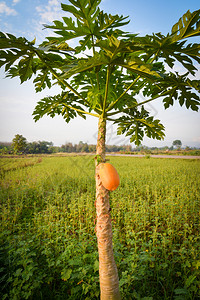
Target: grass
[(48, 245)]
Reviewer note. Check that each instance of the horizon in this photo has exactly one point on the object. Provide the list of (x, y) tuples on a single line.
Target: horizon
[(117, 145)]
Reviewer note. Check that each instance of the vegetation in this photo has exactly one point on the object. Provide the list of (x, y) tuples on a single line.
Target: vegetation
[(44, 147), (177, 143), (47, 147), (19, 143), (48, 246), (20, 147)]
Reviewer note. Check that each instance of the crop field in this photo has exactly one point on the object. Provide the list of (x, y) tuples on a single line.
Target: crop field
[(48, 247)]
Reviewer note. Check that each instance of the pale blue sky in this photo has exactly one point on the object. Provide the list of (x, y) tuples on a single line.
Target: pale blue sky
[(25, 18)]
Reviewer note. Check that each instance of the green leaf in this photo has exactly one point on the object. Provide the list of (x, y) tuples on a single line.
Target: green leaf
[(8, 57), (90, 23), (10, 41), (112, 47), (153, 47), (83, 65), (106, 23), (93, 97), (22, 59), (187, 26), (64, 104), (180, 291), (25, 68), (123, 54), (179, 87), (66, 274), (42, 80), (85, 42), (85, 13), (181, 53), (192, 50), (136, 66), (12, 49), (18, 272), (55, 45), (96, 266), (190, 280), (135, 123), (85, 10)]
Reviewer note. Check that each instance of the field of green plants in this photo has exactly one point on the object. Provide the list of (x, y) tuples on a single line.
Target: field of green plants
[(48, 247)]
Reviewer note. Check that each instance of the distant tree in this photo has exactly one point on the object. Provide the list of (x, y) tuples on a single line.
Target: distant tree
[(128, 148), (85, 148), (68, 147), (39, 147), (4, 150), (32, 148), (79, 147), (5, 144), (177, 144), (44, 146), (19, 143), (92, 148), (187, 148), (5, 147), (54, 149)]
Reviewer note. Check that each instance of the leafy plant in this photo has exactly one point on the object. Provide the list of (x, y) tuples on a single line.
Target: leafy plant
[(19, 143), (48, 222)]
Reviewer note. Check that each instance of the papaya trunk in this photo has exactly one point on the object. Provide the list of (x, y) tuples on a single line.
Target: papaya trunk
[(108, 275)]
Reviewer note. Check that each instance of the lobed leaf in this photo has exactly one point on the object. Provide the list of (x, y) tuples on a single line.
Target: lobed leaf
[(187, 26), (137, 123), (64, 104), (42, 81), (179, 87)]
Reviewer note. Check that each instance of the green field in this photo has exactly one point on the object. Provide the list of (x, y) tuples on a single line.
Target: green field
[(48, 244)]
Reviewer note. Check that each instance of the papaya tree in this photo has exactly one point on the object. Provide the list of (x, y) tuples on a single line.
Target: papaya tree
[(102, 76)]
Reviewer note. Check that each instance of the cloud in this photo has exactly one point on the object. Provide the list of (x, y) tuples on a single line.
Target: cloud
[(49, 12), (4, 9), (16, 1), (46, 14)]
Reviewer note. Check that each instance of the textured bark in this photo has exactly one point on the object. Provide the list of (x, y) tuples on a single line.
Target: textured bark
[(109, 281)]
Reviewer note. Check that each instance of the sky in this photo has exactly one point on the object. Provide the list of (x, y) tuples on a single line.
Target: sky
[(17, 101)]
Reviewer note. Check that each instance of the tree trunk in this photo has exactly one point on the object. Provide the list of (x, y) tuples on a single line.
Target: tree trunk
[(109, 281)]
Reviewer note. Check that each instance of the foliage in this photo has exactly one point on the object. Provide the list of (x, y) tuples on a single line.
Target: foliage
[(120, 65), (177, 143), (44, 147), (39, 147), (5, 147), (19, 143), (47, 235)]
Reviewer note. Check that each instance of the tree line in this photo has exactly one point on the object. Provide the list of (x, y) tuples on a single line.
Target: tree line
[(19, 145)]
